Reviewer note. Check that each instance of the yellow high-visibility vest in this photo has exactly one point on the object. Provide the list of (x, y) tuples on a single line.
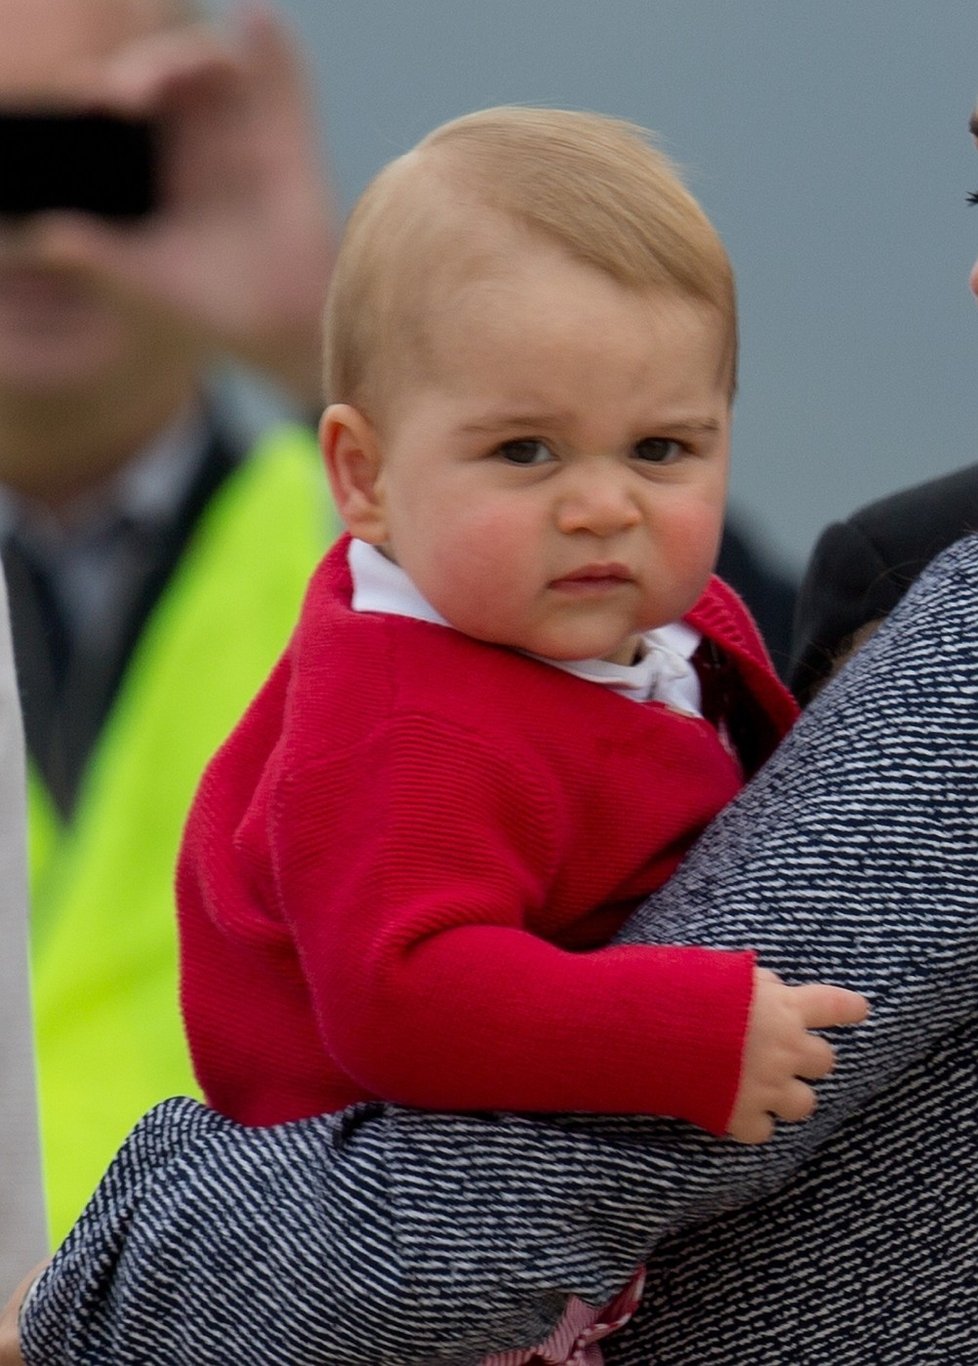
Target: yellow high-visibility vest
[(109, 1037)]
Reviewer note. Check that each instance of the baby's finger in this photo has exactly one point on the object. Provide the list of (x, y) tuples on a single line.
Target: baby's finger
[(816, 1058), (823, 1006), (795, 1101), (756, 1127)]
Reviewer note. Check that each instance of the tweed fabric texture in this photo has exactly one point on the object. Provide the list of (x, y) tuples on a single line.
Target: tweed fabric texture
[(392, 1237)]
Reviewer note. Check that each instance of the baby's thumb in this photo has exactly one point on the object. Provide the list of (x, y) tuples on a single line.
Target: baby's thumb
[(823, 1006)]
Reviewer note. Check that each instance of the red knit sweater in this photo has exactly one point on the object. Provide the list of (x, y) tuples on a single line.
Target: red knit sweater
[(394, 864)]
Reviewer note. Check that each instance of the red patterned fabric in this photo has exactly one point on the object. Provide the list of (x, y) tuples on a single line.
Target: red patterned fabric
[(392, 867), (574, 1342)]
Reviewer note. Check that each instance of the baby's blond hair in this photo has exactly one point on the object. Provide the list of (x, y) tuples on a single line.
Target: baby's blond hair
[(438, 216)]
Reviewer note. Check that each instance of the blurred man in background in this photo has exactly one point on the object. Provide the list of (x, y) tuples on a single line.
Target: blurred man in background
[(155, 566)]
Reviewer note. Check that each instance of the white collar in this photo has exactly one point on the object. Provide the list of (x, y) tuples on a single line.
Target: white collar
[(664, 673), (380, 585)]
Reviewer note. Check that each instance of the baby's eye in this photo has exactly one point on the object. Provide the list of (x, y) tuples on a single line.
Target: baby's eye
[(526, 451), (658, 450), (973, 197)]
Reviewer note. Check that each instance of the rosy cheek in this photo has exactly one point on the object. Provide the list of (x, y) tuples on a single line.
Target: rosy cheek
[(697, 528), (491, 532), (467, 547), (691, 550)]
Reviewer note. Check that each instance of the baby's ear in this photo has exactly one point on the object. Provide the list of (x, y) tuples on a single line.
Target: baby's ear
[(351, 450)]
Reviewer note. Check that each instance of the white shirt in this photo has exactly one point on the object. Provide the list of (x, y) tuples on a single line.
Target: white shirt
[(665, 672)]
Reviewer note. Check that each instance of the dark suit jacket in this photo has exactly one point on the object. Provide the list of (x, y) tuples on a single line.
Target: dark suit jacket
[(769, 595), (861, 568)]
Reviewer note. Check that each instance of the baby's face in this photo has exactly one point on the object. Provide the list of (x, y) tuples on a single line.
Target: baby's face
[(557, 482)]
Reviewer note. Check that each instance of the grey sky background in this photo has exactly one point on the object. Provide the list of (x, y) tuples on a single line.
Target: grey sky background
[(828, 141)]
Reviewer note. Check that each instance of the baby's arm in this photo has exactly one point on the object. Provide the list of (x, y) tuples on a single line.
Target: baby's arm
[(781, 1054), (430, 989)]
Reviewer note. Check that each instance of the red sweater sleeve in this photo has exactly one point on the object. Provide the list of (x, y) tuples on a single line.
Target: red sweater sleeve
[(407, 867)]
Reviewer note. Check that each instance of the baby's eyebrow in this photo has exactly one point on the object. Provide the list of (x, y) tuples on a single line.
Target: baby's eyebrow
[(517, 422), (706, 424), (973, 123)]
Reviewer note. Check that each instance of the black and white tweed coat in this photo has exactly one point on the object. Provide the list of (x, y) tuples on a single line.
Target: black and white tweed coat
[(383, 1237)]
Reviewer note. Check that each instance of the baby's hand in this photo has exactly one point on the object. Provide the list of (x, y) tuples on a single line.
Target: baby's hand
[(779, 1051)]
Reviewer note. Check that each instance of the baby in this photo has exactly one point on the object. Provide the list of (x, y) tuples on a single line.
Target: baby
[(515, 695)]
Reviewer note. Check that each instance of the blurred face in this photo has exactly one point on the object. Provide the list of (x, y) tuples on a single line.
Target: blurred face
[(558, 483), (61, 328)]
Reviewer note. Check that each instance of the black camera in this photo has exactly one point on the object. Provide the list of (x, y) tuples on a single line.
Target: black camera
[(90, 162)]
